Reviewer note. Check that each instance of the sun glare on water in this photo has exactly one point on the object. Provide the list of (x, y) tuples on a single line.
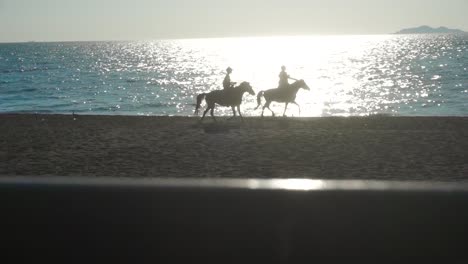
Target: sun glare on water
[(347, 75)]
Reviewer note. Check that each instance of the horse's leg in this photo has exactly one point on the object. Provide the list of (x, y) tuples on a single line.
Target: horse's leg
[(238, 110), (204, 113), (285, 107), (294, 102), (268, 106), (267, 103), (234, 112), (211, 112)]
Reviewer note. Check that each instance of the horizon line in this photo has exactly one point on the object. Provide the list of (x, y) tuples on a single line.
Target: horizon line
[(214, 37)]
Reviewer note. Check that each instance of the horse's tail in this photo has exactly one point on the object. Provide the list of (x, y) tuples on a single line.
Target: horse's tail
[(259, 99), (200, 98)]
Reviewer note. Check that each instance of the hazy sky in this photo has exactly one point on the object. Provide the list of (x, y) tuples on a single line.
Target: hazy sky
[(55, 20)]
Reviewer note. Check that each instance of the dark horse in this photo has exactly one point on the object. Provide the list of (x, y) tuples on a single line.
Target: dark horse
[(230, 97), (284, 95)]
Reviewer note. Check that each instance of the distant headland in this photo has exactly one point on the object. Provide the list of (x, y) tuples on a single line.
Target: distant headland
[(430, 30)]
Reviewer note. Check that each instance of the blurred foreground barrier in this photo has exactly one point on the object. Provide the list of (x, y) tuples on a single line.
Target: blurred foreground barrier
[(274, 221)]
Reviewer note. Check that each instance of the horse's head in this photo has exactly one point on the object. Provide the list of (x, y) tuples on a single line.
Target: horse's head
[(302, 84), (245, 86)]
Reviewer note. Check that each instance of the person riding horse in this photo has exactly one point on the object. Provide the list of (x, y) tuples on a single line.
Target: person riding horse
[(231, 97), (285, 95), (284, 77)]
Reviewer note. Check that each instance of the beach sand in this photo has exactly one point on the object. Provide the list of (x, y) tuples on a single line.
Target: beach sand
[(377, 147)]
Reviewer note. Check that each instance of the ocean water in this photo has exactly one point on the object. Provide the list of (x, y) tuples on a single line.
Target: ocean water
[(402, 75)]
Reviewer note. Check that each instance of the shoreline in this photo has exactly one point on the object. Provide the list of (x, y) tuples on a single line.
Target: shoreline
[(380, 147)]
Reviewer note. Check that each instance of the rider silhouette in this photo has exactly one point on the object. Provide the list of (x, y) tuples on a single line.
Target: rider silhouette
[(283, 82), (227, 84)]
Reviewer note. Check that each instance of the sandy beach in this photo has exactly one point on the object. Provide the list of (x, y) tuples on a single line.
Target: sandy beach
[(378, 147)]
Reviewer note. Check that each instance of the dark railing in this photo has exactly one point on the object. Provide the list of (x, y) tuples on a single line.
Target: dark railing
[(235, 221)]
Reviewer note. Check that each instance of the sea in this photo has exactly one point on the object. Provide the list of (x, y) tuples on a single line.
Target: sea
[(397, 75)]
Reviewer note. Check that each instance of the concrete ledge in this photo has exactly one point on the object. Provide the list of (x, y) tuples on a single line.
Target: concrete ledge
[(275, 221)]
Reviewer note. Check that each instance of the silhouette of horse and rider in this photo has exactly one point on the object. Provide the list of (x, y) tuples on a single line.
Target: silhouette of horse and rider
[(231, 96)]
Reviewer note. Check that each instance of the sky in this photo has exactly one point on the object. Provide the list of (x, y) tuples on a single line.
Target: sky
[(83, 20)]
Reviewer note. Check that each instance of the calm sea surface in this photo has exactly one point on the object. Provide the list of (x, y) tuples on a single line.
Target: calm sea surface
[(425, 75)]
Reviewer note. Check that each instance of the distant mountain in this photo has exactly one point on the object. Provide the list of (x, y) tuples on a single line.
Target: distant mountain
[(430, 30)]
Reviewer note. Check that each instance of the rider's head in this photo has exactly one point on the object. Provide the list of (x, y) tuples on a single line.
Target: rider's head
[(283, 68), (229, 70)]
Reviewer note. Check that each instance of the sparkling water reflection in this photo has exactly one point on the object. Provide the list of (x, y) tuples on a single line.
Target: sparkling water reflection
[(348, 75)]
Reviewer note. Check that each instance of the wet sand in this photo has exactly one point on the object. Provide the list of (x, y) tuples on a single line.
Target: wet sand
[(378, 147)]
